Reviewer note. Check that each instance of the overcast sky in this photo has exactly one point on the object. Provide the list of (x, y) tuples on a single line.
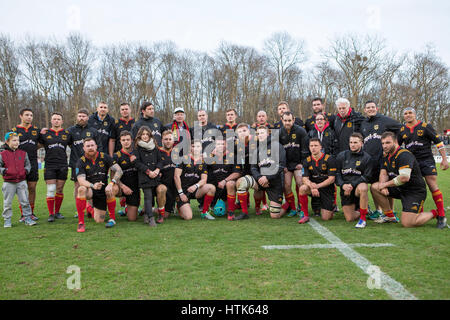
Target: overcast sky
[(201, 25)]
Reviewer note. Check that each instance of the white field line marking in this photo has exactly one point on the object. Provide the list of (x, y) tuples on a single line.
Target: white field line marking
[(392, 287), (328, 246)]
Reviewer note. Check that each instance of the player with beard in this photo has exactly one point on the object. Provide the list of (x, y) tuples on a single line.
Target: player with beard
[(78, 133), (282, 108), (372, 128), (318, 180), (29, 142), (354, 169), (190, 180), (103, 123), (129, 182), (266, 174), (318, 108), (418, 138), (55, 142), (92, 174), (293, 138), (125, 123), (400, 178)]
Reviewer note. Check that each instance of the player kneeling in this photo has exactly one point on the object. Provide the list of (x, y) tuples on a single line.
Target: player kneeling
[(190, 180), (353, 173), (129, 183), (400, 178), (318, 181), (267, 175), (92, 175)]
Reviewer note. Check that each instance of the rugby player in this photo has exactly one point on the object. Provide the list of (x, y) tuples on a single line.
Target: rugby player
[(92, 174), (229, 127), (354, 169), (29, 142), (55, 142), (190, 180), (400, 178), (78, 133), (149, 165), (266, 174), (167, 173), (148, 119), (345, 123), (125, 123), (261, 120), (318, 108), (207, 130), (418, 138), (373, 126), (103, 123), (283, 107), (318, 180), (293, 138), (129, 182)]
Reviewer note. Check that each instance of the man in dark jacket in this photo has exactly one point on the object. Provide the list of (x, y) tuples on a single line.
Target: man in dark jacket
[(353, 174), (372, 128), (103, 123), (148, 119), (345, 123)]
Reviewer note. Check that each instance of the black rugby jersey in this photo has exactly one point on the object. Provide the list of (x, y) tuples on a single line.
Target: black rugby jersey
[(78, 134), (55, 144), (104, 128), (119, 126), (29, 139), (95, 170), (191, 172), (297, 121), (318, 170), (403, 159), (294, 143), (226, 128), (220, 171), (353, 168), (130, 173), (168, 167), (242, 155), (418, 139)]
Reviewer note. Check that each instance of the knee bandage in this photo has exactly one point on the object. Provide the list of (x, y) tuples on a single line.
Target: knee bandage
[(275, 210), (51, 190), (245, 183)]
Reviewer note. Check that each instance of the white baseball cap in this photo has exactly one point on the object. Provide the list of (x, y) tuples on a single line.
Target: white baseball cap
[(178, 110)]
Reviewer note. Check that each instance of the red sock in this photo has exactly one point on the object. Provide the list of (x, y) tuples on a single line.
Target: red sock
[(21, 212), (290, 198), (111, 203), (439, 201), (363, 213), (264, 200), (243, 198), (285, 206), (231, 200), (51, 205), (304, 204), (389, 213), (89, 209), (162, 211), (257, 202), (207, 203), (58, 201), (81, 206), (32, 208), (123, 202)]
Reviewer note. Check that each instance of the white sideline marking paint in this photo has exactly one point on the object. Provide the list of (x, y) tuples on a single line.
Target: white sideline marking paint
[(393, 288), (328, 246)]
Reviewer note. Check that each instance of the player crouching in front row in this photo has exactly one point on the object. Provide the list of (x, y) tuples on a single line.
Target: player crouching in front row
[(190, 180), (400, 178), (92, 174), (318, 181)]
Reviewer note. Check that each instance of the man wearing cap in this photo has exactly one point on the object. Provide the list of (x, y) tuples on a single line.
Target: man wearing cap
[(418, 138), (178, 127)]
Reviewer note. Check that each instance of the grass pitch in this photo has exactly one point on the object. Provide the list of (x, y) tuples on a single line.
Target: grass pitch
[(216, 259)]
